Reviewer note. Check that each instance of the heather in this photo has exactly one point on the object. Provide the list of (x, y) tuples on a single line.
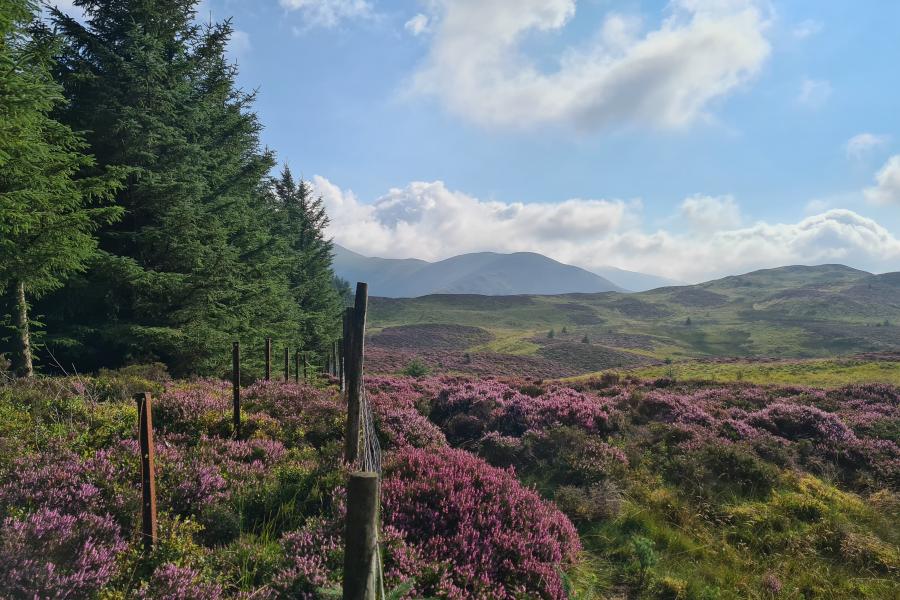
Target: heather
[(256, 516), (492, 489)]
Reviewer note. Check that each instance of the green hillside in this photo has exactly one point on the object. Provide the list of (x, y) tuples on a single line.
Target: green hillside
[(789, 312)]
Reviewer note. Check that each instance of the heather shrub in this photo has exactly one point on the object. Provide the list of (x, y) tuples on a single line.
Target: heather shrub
[(53, 555), (501, 538), (172, 582)]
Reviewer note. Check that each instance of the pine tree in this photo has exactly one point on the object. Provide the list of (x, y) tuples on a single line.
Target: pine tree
[(47, 211), (302, 221), (194, 263)]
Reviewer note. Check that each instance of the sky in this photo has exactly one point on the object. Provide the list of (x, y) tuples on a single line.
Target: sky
[(684, 138)]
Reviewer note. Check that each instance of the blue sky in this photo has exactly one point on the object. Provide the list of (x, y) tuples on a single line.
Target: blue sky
[(689, 138)]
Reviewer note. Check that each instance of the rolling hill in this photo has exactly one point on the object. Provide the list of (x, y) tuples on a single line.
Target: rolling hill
[(788, 312), (486, 273)]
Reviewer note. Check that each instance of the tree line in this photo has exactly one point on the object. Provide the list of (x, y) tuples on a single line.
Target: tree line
[(139, 220)]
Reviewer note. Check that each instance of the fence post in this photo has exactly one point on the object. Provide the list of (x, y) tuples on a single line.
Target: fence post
[(355, 371), (360, 536), (287, 362), (345, 345), (296, 366), (268, 358), (305, 368), (148, 477), (236, 387), (334, 358)]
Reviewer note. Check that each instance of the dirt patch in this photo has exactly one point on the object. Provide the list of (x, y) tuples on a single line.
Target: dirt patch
[(430, 337)]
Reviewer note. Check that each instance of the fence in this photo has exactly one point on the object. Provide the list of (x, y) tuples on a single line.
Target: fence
[(363, 577)]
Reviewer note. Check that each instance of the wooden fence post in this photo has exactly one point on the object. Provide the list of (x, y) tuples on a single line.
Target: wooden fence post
[(287, 361), (148, 477), (355, 372), (345, 346), (360, 537), (268, 358), (296, 366), (334, 358), (236, 387)]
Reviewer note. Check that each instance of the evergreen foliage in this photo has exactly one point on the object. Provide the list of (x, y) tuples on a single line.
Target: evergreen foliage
[(48, 211), (202, 256)]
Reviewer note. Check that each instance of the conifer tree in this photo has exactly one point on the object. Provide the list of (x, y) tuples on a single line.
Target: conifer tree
[(302, 221), (47, 212), (194, 264)]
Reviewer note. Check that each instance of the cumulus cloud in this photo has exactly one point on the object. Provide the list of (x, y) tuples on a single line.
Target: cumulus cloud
[(814, 93), (860, 144), (328, 13), (710, 213), (427, 220), (417, 25), (667, 77), (887, 183)]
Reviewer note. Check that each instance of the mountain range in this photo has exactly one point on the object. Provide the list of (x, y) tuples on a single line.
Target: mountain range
[(485, 273)]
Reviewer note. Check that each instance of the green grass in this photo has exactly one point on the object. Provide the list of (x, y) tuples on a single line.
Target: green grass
[(784, 313), (816, 373)]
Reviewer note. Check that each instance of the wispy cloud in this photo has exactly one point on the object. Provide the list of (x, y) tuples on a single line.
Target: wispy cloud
[(807, 28), (417, 25), (328, 13), (666, 77), (862, 143), (814, 93)]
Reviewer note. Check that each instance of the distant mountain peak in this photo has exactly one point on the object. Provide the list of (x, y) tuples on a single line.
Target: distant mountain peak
[(485, 273)]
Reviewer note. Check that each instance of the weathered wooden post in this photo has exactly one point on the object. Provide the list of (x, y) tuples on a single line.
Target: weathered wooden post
[(355, 372), (268, 358), (334, 358), (296, 366), (148, 477), (287, 360), (236, 387), (361, 536), (345, 345)]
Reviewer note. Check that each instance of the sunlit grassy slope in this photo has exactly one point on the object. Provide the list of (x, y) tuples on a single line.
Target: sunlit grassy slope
[(791, 312)]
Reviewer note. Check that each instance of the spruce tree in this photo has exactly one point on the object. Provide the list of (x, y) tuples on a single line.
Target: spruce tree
[(47, 211), (302, 220), (194, 264)]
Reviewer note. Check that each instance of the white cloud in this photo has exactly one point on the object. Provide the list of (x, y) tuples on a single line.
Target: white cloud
[(860, 144), (667, 77), (814, 93), (887, 183), (807, 28), (417, 25), (328, 13), (427, 220), (709, 213)]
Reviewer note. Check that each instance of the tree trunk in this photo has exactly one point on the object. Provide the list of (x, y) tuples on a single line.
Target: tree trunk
[(22, 366)]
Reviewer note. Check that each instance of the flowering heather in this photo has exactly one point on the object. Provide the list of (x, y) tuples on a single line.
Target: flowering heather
[(501, 539), (49, 554), (314, 554), (171, 582)]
